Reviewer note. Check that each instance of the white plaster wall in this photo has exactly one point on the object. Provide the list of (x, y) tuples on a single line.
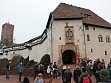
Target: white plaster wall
[(39, 50), (99, 48), (58, 31)]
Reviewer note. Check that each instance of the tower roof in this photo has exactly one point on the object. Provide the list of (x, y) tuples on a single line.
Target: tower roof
[(65, 11)]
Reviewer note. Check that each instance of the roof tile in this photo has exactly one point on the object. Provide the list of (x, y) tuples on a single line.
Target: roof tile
[(64, 11)]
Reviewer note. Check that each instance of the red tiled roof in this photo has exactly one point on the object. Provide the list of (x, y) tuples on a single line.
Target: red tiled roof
[(65, 11)]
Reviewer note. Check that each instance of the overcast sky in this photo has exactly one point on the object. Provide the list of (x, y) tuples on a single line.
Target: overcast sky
[(30, 16)]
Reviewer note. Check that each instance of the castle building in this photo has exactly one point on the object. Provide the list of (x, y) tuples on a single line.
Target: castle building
[(70, 32), (7, 34)]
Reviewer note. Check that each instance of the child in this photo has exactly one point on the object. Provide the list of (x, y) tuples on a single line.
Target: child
[(39, 78)]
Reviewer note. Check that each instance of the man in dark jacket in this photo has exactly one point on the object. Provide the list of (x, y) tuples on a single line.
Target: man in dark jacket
[(68, 75), (76, 74), (63, 74), (55, 70), (7, 70)]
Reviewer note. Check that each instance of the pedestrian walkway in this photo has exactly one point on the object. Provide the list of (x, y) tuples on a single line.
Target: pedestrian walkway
[(14, 79)]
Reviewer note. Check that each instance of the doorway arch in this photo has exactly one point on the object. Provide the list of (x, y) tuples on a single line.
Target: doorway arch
[(68, 57)]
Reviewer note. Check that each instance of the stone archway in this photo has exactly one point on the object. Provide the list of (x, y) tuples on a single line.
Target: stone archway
[(68, 57)]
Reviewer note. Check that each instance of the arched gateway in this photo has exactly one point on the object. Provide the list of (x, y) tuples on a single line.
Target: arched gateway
[(68, 57)]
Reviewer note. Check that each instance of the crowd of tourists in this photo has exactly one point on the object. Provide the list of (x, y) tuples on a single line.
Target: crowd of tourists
[(82, 73), (85, 69)]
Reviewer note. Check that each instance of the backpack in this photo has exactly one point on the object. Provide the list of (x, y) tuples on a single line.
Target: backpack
[(86, 79), (48, 70)]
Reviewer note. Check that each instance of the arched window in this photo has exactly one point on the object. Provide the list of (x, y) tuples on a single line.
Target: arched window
[(107, 38), (71, 34), (88, 37), (67, 33), (100, 38)]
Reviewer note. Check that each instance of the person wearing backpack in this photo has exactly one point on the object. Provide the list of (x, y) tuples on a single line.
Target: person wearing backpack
[(68, 75), (85, 77)]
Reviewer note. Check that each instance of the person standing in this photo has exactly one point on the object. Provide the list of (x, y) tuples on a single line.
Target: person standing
[(7, 70), (20, 71), (55, 70), (51, 73), (68, 75), (76, 74), (39, 78), (63, 75), (85, 77), (36, 69)]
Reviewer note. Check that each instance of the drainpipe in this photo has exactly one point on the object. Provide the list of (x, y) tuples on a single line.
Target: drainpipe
[(84, 42), (51, 40)]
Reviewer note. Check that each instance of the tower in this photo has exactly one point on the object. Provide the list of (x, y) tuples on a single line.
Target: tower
[(7, 34)]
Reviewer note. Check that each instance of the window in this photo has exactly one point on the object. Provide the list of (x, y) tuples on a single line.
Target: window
[(91, 50), (107, 38), (105, 52), (88, 37), (87, 16), (59, 38), (100, 38), (67, 34), (71, 34), (93, 28), (86, 27)]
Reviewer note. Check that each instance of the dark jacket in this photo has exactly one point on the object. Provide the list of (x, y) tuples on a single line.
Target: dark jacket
[(76, 75), (109, 70), (8, 67), (68, 76)]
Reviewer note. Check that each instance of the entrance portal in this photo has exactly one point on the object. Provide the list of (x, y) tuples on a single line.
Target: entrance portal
[(68, 57)]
